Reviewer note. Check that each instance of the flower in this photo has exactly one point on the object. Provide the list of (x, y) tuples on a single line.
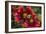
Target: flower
[(31, 20), (24, 15), (24, 24)]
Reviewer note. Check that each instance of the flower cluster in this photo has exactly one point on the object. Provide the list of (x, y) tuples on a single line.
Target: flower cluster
[(24, 17)]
